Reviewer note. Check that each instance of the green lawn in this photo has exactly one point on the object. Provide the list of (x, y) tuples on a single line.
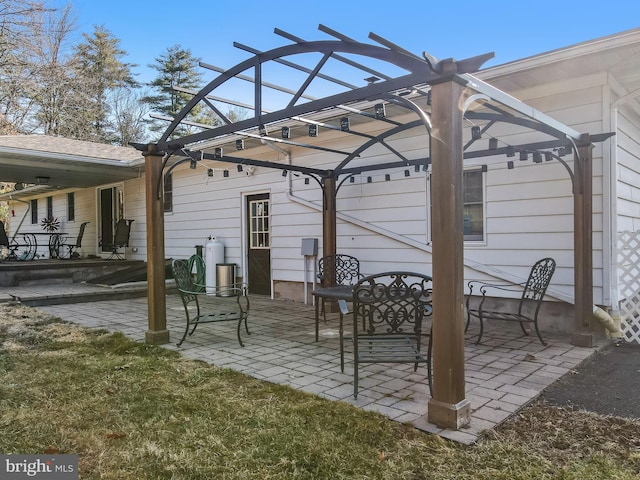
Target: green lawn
[(132, 411)]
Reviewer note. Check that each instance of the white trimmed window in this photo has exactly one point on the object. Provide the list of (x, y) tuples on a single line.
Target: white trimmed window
[(474, 207)]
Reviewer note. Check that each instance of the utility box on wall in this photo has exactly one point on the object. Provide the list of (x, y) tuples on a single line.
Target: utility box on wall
[(309, 250), (309, 247)]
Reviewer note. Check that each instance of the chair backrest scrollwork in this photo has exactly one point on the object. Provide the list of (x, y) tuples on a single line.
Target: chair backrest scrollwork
[(392, 303), (338, 269)]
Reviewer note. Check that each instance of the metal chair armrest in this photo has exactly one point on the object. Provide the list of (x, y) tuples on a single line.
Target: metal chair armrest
[(483, 287)]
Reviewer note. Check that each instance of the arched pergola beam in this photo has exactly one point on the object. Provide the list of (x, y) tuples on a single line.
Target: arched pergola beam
[(420, 73), (374, 141)]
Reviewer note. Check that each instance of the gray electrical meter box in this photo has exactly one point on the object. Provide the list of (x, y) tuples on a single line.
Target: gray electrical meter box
[(309, 247)]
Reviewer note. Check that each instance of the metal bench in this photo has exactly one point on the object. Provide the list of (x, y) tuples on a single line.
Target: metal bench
[(229, 303), (532, 293), (389, 310)]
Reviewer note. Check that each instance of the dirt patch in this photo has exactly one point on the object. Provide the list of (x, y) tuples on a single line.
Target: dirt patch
[(607, 383)]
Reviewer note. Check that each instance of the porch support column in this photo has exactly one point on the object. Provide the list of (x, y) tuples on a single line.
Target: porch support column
[(329, 225), (157, 333), (582, 334), (448, 408)]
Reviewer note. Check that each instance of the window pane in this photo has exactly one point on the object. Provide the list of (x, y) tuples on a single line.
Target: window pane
[(71, 206), (168, 193), (473, 186), (473, 224), (259, 224), (473, 210), (34, 211)]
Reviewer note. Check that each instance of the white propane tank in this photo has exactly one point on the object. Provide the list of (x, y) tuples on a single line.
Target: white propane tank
[(213, 254)]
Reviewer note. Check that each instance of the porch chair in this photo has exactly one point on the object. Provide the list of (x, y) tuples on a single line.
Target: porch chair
[(12, 246), (120, 239), (532, 293), (389, 311), (336, 270), (4, 242), (229, 303), (71, 247)]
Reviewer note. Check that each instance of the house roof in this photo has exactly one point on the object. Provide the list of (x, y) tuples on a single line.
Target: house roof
[(617, 56), (49, 163)]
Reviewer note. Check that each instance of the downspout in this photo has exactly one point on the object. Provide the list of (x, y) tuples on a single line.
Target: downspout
[(611, 325), (614, 299), (610, 294), (23, 216)]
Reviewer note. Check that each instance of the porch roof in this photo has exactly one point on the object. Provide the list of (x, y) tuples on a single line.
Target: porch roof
[(42, 163)]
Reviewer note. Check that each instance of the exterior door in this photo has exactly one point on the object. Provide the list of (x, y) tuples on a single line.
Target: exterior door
[(259, 243), (110, 210)]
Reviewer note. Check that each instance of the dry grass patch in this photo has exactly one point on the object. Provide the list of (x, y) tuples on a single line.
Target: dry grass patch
[(133, 411)]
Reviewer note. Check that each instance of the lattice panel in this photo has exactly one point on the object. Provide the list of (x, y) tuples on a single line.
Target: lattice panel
[(629, 281)]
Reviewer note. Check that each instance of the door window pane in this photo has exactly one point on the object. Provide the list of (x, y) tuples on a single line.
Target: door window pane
[(259, 223)]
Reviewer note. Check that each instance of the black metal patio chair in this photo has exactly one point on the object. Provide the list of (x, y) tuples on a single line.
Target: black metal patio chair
[(27, 245), (228, 303), (72, 247), (4, 241), (120, 239), (531, 292), (389, 313), (334, 270)]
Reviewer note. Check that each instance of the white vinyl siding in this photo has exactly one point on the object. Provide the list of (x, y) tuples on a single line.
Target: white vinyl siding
[(628, 183)]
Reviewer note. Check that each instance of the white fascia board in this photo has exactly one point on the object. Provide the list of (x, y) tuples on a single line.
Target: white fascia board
[(518, 106), (67, 157)]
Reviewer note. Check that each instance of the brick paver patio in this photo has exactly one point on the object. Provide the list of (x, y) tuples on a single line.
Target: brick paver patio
[(503, 374)]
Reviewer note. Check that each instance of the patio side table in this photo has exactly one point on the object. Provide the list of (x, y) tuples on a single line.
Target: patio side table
[(336, 292)]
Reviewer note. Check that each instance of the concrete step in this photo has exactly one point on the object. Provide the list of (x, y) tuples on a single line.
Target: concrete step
[(34, 279)]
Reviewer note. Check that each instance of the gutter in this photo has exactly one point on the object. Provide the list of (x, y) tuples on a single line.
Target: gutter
[(74, 158)]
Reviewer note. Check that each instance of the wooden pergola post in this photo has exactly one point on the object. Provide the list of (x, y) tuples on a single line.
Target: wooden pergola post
[(582, 334), (448, 408), (329, 229), (157, 333)]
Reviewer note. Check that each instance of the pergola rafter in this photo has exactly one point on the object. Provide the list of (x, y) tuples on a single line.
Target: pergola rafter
[(442, 95)]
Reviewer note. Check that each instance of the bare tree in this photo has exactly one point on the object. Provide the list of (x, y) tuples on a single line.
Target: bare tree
[(129, 113), (48, 85), (54, 85), (18, 19)]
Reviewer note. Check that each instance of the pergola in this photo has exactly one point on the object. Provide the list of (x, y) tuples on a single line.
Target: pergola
[(440, 96)]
